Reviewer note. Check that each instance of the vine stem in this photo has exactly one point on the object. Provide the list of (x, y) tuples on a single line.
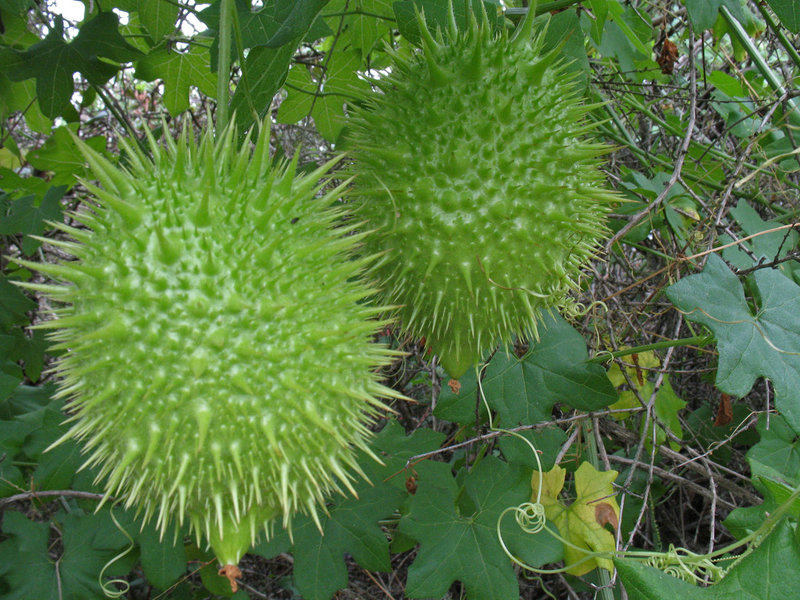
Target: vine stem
[(698, 340), (224, 62), (604, 589)]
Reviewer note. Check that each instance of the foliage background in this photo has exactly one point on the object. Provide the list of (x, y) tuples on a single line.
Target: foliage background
[(690, 392)]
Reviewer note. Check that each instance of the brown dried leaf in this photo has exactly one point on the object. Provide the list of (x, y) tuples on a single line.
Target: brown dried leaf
[(724, 411), (604, 513), (666, 59)]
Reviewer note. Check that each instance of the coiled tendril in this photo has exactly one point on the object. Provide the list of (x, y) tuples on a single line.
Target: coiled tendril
[(687, 565), (530, 516)]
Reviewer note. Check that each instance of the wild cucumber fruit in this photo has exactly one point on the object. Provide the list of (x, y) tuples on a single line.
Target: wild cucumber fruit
[(474, 167), (218, 356)]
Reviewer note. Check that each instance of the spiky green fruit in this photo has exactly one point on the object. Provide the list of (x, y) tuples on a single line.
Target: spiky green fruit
[(474, 166), (218, 362)]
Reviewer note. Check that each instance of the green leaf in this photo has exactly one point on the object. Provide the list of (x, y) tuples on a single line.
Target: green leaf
[(25, 567), (179, 71), (436, 15), (53, 61), (548, 442), (89, 543), (765, 344), (524, 390), (44, 426), (32, 353), (163, 560), (621, 43), (265, 70), (768, 573), (100, 37), (597, 23), (10, 378), (27, 217), (767, 246), (564, 27), (323, 96), (668, 405), (27, 399), (21, 96), (57, 468), (206, 563), (295, 18), (703, 13), (777, 454), (17, 186), (366, 29), (266, 65), (744, 521), (255, 27), (788, 11), (11, 438), (351, 526), (17, 7), (60, 156), (158, 17), (458, 538), (13, 304)]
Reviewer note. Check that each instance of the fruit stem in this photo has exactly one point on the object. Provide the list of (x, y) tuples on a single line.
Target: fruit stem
[(231, 572)]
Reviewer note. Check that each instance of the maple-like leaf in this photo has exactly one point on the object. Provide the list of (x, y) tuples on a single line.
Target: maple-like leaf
[(745, 520), (351, 525), (766, 343), (179, 71), (457, 531), (89, 544), (323, 93), (767, 245), (667, 404), (53, 60), (524, 390), (582, 523), (767, 573), (777, 454)]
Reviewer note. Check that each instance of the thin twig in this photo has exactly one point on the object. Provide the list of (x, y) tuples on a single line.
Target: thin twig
[(679, 158), (671, 476), (621, 433), (51, 494)]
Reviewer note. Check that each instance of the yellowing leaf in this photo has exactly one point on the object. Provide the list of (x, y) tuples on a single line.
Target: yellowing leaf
[(667, 403), (637, 376), (552, 484), (582, 523), (8, 159)]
